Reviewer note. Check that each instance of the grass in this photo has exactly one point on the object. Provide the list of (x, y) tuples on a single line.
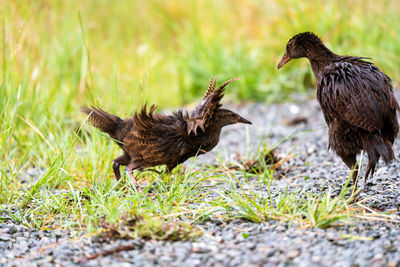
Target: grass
[(303, 209), (172, 197), (171, 204), (59, 55)]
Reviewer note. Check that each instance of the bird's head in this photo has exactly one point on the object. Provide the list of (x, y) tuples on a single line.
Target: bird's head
[(301, 45), (225, 117)]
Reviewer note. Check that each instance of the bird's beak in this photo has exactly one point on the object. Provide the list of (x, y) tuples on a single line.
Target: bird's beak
[(285, 59), (243, 120)]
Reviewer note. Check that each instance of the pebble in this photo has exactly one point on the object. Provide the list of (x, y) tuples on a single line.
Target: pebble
[(12, 230), (5, 237)]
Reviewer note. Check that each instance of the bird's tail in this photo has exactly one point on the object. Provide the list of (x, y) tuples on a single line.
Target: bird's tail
[(377, 147), (105, 121)]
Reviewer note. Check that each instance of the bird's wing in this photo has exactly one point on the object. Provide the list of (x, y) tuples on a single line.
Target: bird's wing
[(210, 103), (156, 139), (357, 93)]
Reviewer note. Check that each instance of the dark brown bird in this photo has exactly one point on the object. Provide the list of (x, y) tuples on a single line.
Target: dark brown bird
[(149, 139), (356, 98)]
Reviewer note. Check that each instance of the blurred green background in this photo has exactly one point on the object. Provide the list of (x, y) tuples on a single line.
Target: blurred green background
[(165, 52), (59, 55)]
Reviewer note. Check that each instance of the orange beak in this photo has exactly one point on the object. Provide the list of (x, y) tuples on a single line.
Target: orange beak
[(285, 59)]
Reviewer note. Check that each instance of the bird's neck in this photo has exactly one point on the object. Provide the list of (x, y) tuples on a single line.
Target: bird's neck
[(319, 58), (213, 131)]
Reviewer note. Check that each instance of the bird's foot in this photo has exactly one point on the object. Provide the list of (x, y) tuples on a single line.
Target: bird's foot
[(130, 174)]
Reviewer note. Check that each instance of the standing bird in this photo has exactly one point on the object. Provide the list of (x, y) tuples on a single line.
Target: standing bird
[(149, 139), (356, 98)]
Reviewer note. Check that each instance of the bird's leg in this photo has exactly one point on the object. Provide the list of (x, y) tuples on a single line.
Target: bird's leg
[(116, 170), (356, 171), (354, 177), (122, 160), (351, 161), (129, 169), (370, 170), (170, 167)]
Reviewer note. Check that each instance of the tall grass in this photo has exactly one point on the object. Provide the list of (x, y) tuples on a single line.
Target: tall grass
[(166, 51)]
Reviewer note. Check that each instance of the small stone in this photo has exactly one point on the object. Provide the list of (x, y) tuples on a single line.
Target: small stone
[(12, 230), (316, 258), (200, 248), (292, 254), (5, 237), (378, 257), (393, 264), (220, 257)]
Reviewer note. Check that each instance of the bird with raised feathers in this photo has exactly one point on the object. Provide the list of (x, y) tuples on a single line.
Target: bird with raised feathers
[(150, 139), (356, 98)]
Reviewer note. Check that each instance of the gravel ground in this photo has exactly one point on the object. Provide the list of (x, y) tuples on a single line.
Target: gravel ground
[(271, 243)]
